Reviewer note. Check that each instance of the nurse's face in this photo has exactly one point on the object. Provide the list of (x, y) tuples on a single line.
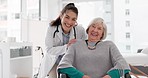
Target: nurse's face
[(68, 20)]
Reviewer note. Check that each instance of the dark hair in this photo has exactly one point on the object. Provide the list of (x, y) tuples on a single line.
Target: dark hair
[(70, 6)]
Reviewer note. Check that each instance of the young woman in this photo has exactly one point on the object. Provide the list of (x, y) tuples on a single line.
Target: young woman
[(61, 33)]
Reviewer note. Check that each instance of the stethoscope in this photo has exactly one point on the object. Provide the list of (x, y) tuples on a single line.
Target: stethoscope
[(57, 30)]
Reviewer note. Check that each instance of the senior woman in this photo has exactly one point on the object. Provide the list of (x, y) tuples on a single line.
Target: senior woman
[(94, 58)]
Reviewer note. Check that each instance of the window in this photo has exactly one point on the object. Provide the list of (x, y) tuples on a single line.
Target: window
[(127, 1), (33, 9), (2, 1), (128, 47), (108, 33), (17, 16), (127, 35), (108, 11), (127, 12), (3, 18), (92, 9), (108, 2), (127, 23), (3, 34)]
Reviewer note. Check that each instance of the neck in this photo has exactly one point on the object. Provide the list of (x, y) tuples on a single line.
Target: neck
[(66, 32), (90, 40), (92, 47)]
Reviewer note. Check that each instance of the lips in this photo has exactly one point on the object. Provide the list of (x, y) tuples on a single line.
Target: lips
[(67, 25), (94, 34)]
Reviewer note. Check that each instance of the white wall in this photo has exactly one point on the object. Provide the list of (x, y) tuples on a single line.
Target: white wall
[(138, 27), (34, 30), (13, 25), (1, 64), (50, 9), (139, 12), (119, 23), (37, 32)]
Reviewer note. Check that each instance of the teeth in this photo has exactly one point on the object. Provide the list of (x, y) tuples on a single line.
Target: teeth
[(94, 34), (67, 25)]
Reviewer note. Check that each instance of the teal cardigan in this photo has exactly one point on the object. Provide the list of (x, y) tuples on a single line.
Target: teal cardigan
[(74, 73)]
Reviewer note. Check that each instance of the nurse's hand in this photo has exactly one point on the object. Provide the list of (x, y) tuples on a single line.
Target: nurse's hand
[(85, 76), (106, 76), (72, 41)]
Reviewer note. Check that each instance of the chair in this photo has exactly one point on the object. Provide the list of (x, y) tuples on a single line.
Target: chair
[(127, 75), (60, 75), (138, 67), (138, 70)]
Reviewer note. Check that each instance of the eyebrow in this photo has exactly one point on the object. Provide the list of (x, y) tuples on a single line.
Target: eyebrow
[(69, 16)]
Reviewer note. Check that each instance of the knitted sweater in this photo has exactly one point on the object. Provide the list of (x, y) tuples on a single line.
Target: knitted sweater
[(95, 63)]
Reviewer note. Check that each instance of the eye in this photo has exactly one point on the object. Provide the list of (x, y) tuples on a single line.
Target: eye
[(67, 17), (73, 19), (100, 28), (93, 26)]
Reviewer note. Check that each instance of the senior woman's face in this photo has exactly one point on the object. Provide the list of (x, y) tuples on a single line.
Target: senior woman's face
[(95, 32)]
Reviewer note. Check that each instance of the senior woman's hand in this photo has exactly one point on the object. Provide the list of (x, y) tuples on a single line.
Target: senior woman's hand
[(85, 76), (106, 76)]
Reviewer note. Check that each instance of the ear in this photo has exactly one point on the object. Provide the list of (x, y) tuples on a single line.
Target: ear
[(76, 23)]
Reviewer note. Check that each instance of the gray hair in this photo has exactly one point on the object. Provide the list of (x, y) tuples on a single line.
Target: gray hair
[(99, 20)]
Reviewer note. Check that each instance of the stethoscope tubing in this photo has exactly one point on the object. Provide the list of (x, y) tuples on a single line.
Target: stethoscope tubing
[(57, 30)]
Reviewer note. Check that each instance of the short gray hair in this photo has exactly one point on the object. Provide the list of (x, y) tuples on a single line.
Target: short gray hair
[(99, 20)]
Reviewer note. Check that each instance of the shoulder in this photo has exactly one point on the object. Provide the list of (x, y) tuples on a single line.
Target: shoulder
[(109, 43), (52, 28), (79, 42), (79, 27)]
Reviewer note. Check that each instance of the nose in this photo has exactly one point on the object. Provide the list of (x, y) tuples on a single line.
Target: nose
[(70, 22), (96, 29)]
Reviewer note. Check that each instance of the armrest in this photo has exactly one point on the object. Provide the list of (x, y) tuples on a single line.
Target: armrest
[(60, 75), (127, 75)]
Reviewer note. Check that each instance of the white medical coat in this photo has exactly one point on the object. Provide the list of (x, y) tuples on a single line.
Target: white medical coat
[(55, 47)]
